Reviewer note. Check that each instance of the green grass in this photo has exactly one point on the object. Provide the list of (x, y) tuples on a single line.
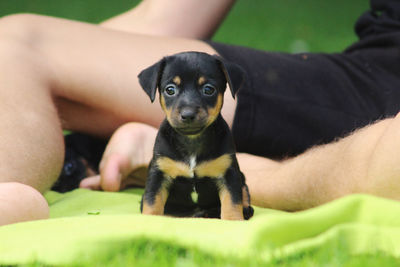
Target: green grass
[(284, 25), (92, 11), (277, 25), (147, 253)]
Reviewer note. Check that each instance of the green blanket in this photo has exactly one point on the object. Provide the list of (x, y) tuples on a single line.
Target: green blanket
[(99, 228)]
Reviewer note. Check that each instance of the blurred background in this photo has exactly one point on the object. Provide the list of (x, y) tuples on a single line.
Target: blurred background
[(274, 25)]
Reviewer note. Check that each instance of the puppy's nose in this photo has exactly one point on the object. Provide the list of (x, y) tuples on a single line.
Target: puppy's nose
[(188, 114)]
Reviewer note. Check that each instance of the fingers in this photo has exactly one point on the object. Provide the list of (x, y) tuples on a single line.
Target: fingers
[(111, 174), (125, 159), (92, 182), (134, 141), (137, 177), (110, 178)]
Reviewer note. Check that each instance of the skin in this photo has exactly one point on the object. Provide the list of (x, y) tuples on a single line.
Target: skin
[(33, 206), (54, 78), (165, 18)]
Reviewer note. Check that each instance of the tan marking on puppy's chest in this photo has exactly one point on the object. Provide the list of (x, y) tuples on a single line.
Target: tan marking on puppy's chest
[(173, 169), (215, 168)]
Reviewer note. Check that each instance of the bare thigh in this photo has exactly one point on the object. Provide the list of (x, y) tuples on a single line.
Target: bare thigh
[(96, 87)]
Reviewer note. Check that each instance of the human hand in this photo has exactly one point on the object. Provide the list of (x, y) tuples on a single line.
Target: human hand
[(125, 158)]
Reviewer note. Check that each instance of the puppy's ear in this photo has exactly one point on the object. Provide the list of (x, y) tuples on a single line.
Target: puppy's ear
[(149, 78), (234, 74)]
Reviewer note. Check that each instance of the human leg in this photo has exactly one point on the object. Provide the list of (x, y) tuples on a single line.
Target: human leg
[(165, 18), (364, 162)]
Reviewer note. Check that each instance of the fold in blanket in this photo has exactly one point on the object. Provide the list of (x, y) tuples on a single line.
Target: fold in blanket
[(86, 224)]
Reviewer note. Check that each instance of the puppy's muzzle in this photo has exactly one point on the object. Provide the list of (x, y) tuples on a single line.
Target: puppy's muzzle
[(190, 120), (188, 114)]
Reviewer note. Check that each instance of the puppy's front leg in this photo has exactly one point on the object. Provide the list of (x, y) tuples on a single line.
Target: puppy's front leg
[(231, 196), (230, 209), (156, 193)]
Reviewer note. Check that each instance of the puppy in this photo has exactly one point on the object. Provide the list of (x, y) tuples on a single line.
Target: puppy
[(194, 149)]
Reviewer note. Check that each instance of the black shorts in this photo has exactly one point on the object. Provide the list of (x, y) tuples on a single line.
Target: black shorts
[(291, 102)]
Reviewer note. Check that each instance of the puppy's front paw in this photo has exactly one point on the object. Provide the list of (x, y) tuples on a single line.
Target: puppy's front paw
[(154, 205), (248, 212)]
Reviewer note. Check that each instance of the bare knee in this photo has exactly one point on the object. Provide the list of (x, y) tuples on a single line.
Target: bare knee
[(21, 37), (23, 27), (19, 202)]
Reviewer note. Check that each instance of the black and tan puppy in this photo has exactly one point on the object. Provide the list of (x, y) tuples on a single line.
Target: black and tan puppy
[(194, 150)]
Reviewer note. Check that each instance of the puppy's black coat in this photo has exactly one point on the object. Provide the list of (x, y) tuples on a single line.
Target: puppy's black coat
[(194, 149)]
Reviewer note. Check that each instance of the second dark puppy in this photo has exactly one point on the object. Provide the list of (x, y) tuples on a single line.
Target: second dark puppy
[(194, 149)]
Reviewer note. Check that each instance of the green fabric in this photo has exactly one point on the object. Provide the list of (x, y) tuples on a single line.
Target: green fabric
[(85, 224)]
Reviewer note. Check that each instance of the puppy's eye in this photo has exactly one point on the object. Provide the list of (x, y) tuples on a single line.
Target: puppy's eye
[(208, 89), (170, 89)]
